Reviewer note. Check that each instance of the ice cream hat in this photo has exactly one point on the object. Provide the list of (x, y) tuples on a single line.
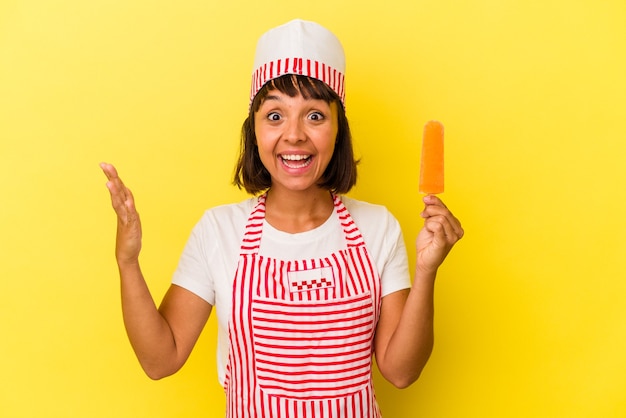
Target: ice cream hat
[(299, 47)]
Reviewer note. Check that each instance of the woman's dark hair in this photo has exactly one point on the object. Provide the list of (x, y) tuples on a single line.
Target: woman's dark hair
[(339, 176)]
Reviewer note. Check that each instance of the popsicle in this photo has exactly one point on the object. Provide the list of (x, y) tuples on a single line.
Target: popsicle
[(431, 169)]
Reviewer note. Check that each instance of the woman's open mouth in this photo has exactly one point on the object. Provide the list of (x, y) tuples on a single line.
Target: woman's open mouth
[(296, 161)]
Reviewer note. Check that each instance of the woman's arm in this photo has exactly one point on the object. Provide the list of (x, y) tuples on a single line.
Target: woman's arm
[(161, 338), (404, 335)]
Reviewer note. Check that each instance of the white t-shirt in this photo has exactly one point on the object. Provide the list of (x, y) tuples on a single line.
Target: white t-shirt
[(209, 261)]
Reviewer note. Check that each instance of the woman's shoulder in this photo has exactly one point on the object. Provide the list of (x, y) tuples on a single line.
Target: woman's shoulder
[(241, 208), (363, 209), (227, 216), (371, 218), (381, 231)]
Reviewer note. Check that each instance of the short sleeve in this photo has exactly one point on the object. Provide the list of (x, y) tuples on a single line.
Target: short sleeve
[(192, 272), (385, 242), (395, 271)]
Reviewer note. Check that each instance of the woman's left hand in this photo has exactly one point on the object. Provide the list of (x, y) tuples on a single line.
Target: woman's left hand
[(440, 232)]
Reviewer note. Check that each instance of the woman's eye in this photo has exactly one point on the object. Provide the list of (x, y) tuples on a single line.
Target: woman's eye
[(273, 116), (316, 116)]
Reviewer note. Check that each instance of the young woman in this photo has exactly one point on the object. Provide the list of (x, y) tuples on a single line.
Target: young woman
[(306, 282)]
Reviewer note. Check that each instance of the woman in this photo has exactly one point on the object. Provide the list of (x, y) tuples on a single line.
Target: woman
[(306, 283)]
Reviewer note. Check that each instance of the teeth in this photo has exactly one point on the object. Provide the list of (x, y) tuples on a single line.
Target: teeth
[(296, 161), (294, 157)]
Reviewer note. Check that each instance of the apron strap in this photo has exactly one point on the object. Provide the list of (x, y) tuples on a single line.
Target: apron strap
[(254, 227), (350, 230), (251, 241)]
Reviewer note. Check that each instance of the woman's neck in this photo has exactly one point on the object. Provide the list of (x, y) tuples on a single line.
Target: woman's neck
[(295, 211)]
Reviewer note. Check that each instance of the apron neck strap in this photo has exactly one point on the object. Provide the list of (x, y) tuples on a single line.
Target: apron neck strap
[(254, 226)]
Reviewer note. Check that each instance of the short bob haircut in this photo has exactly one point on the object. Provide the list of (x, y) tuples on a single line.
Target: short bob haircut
[(340, 175)]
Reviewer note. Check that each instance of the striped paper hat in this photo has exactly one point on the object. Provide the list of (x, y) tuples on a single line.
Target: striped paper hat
[(299, 47)]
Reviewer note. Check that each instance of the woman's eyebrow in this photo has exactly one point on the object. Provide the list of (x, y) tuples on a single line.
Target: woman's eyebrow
[(272, 97)]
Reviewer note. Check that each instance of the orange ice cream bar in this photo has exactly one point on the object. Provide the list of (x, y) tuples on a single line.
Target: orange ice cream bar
[(431, 170)]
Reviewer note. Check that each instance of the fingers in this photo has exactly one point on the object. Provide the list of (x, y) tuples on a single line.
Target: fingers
[(439, 234), (121, 197), (128, 240), (109, 170), (431, 199), (444, 231), (438, 219), (115, 184)]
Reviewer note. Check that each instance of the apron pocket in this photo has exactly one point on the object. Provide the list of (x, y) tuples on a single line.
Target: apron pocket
[(313, 350)]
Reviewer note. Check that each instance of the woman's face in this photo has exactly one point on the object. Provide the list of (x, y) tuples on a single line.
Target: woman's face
[(296, 139)]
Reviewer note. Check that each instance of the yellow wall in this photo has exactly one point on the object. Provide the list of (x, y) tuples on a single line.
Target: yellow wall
[(531, 319)]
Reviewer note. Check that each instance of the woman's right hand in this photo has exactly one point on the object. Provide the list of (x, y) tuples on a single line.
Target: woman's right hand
[(128, 241)]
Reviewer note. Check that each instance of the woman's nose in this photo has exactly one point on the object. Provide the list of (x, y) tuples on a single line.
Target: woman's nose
[(294, 130)]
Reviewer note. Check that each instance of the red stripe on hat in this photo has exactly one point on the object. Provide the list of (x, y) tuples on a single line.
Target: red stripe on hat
[(303, 66), (341, 91), (256, 82), (329, 76)]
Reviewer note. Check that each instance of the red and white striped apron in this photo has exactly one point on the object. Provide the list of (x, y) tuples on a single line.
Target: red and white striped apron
[(301, 331)]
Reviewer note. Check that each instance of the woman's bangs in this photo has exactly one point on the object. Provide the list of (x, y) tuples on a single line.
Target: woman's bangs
[(293, 85)]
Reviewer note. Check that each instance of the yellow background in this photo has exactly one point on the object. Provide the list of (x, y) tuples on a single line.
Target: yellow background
[(531, 318)]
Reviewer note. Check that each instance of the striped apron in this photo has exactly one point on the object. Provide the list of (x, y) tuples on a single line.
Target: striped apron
[(301, 331)]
